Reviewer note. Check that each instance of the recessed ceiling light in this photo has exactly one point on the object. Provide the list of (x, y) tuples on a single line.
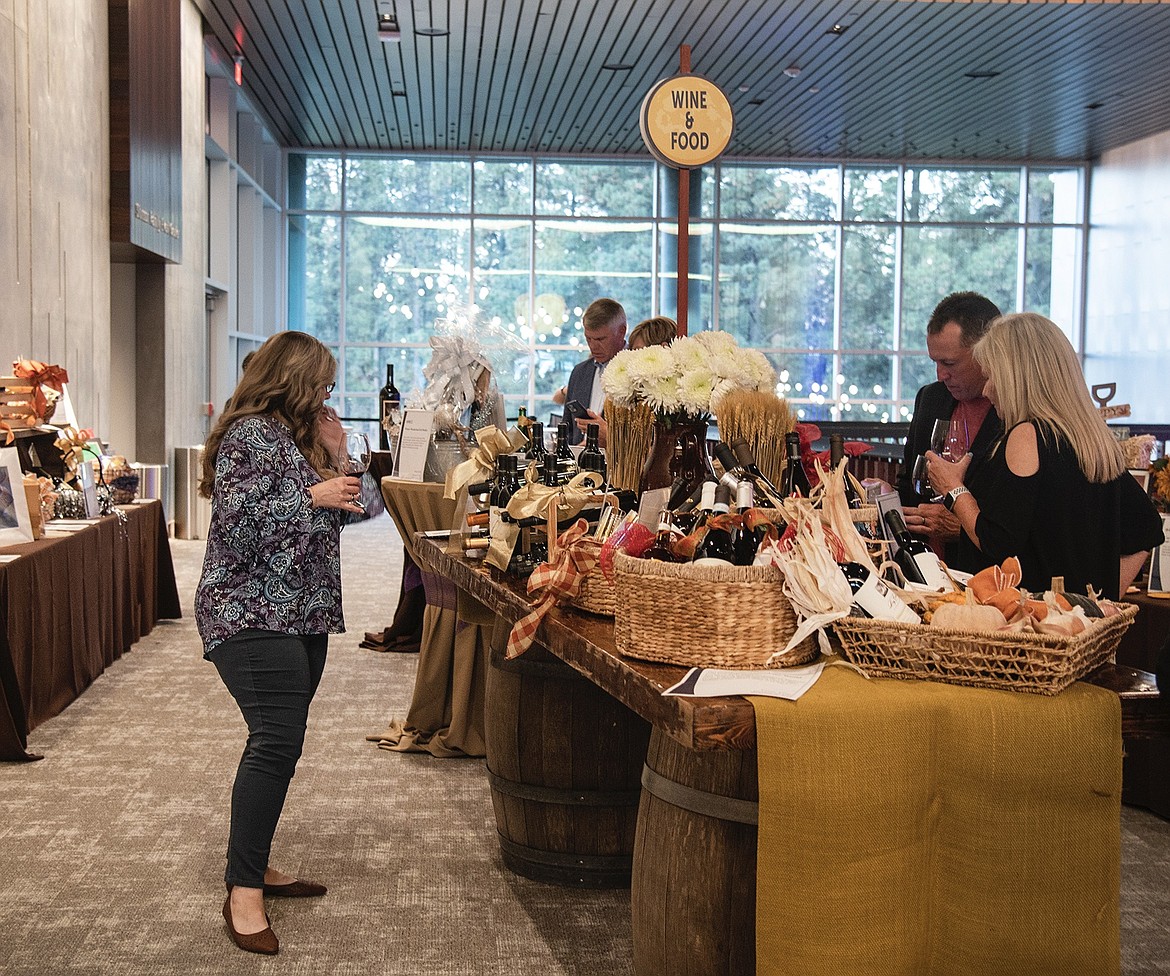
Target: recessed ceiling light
[(431, 31), (981, 74), (792, 71), (814, 90), (838, 29), (744, 88), (617, 66)]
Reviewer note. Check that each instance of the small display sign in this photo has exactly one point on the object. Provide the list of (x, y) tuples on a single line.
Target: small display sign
[(686, 121)]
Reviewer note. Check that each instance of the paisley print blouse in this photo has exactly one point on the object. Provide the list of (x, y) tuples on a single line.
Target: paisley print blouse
[(273, 561)]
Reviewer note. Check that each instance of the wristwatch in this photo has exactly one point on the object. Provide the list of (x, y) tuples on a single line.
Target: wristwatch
[(952, 496)]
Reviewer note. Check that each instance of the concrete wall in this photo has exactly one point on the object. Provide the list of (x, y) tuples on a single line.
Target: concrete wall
[(1127, 314), (61, 300), (54, 190)]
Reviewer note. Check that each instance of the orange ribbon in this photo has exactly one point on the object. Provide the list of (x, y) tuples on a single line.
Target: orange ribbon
[(577, 556)]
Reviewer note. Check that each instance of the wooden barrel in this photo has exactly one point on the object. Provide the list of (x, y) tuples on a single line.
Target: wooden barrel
[(564, 761), (693, 897)]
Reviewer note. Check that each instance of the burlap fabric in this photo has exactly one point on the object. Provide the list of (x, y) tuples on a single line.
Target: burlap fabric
[(911, 827)]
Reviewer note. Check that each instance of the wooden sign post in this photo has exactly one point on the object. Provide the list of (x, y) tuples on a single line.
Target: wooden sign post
[(686, 122)]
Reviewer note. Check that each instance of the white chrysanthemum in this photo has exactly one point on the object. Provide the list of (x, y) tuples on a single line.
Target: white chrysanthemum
[(722, 388), (760, 369), (689, 353), (650, 365), (694, 391), (719, 343), (729, 367), (617, 381), (663, 395)]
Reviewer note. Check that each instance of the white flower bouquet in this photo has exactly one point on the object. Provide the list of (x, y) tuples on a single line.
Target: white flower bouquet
[(688, 378)]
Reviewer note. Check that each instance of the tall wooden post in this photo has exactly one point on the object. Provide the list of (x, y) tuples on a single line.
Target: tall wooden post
[(684, 216)]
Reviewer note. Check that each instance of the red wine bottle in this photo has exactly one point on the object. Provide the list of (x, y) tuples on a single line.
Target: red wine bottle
[(717, 544), (795, 481), (914, 557), (389, 402), (873, 598)]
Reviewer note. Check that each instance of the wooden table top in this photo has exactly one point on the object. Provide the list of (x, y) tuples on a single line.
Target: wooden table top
[(586, 642)]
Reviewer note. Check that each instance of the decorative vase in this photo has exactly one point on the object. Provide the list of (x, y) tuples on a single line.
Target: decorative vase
[(678, 451)]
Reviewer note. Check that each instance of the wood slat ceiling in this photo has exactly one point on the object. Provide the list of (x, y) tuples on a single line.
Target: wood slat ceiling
[(1070, 80)]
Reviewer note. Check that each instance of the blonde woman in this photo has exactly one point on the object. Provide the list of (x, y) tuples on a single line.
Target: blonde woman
[(658, 331), (270, 594), (1054, 490)]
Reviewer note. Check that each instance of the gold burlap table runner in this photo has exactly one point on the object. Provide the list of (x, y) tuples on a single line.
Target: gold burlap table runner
[(908, 827)]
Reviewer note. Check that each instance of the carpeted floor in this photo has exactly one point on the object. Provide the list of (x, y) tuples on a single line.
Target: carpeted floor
[(111, 847)]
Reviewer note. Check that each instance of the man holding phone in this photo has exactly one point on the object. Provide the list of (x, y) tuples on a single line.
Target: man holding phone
[(604, 323)]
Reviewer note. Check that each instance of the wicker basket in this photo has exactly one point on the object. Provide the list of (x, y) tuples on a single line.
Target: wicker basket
[(703, 616), (596, 595), (1042, 664)]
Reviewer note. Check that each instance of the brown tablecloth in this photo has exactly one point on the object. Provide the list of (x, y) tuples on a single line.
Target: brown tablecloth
[(446, 711), (70, 606)]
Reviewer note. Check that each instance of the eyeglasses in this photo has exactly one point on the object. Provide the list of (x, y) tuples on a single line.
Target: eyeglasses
[(329, 387)]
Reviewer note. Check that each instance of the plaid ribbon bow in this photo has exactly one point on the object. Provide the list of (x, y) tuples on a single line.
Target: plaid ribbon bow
[(577, 555)]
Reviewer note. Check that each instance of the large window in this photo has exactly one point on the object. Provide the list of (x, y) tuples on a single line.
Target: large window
[(830, 269)]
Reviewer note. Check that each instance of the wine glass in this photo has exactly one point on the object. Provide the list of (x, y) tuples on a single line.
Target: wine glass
[(921, 481), (356, 460), (939, 435)]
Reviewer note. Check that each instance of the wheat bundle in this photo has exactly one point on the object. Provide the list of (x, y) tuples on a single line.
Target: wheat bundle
[(760, 418), (630, 431)]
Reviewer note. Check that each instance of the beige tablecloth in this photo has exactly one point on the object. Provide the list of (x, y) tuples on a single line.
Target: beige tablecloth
[(446, 711)]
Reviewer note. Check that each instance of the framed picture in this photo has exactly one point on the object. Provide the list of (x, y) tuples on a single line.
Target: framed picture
[(15, 524), (88, 486), (1142, 476)]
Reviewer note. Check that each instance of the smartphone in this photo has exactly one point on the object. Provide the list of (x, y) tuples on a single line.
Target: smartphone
[(575, 411)]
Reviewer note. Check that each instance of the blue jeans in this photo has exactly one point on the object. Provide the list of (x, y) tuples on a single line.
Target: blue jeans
[(273, 678)]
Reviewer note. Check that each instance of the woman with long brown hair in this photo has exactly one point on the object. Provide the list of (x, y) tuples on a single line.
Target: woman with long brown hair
[(1054, 491), (270, 593)]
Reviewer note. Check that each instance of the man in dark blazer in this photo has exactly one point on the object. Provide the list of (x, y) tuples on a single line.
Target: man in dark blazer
[(957, 323), (604, 323)]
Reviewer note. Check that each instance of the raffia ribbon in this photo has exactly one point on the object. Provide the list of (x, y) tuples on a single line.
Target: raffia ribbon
[(535, 500), (554, 581), (491, 442)]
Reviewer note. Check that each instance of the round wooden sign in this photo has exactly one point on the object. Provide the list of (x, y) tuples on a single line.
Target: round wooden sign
[(686, 121)]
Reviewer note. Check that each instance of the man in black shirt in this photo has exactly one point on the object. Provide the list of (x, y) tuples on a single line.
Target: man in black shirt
[(957, 323)]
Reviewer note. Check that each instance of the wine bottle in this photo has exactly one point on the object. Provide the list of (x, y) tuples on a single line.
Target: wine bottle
[(550, 470), (504, 486), (565, 458), (746, 462), (874, 598), (852, 495), (795, 481), (745, 540), (916, 559), (662, 548), (717, 544), (389, 406), (536, 449), (591, 458)]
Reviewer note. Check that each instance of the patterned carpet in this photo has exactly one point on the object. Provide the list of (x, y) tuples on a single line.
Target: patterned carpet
[(111, 847)]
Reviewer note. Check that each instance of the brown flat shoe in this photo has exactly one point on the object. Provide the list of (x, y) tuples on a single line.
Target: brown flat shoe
[(296, 889), (263, 942)]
